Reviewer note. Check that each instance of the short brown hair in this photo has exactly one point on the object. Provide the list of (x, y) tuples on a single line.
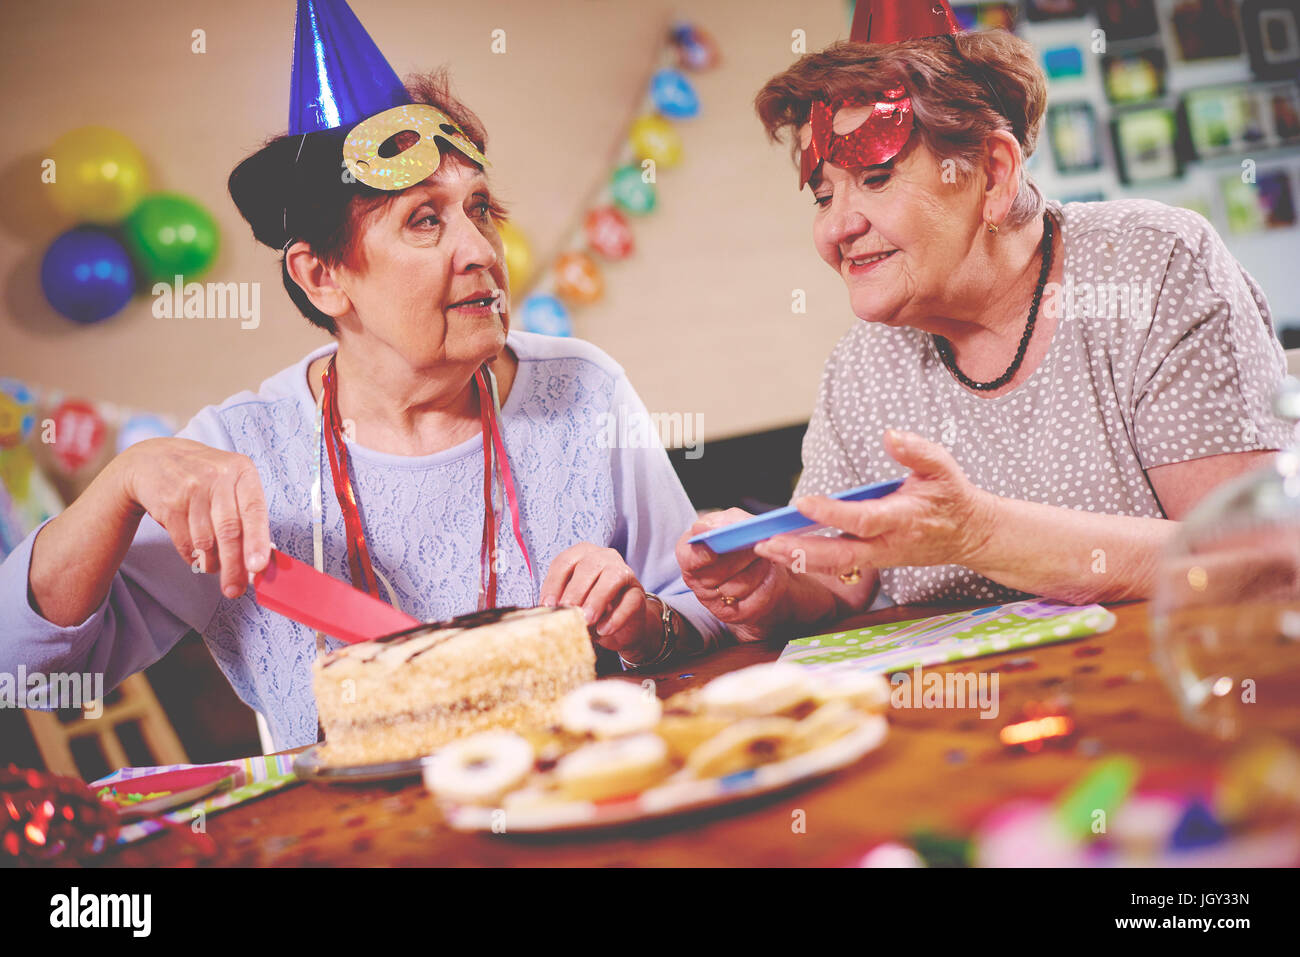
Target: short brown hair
[(294, 188), (963, 87)]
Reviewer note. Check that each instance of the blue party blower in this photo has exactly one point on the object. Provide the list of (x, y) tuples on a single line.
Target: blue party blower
[(751, 531)]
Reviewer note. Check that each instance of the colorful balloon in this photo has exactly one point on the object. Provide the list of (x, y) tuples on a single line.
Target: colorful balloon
[(653, 137), (631, 192), (546, 315), (16, 466), (87, 275), (139, 427), (17, 413), (78, 434), (171, 235), (673, 95), (577, 278), (519, 255), (608, 233), (99, 175), (696, 49)]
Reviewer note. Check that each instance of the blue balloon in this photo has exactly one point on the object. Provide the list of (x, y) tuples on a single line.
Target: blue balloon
[(673, 95), (141, 426), (87, 275), (546, 315)]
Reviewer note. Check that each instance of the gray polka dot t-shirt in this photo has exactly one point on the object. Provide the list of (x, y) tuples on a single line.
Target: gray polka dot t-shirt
[(1164, 352)]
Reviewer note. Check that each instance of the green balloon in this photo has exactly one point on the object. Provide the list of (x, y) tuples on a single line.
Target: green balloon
[(170, 235), (631, 192)]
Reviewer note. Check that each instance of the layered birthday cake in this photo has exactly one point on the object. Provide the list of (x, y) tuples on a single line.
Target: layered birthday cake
[(404, 696)]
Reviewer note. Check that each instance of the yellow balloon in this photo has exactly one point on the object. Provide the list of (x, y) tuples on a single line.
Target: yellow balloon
[(654, 138), (519, 256), (99, 175)]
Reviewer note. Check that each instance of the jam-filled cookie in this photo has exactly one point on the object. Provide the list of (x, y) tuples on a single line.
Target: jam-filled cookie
[(613, 768), (609, 709), (481, 768), (757, 691), (743, 745)]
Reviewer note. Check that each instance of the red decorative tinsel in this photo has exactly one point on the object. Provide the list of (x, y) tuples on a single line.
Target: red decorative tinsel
[(47, 819)]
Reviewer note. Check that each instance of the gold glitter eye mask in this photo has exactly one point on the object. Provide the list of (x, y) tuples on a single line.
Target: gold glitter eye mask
[(413, 164)]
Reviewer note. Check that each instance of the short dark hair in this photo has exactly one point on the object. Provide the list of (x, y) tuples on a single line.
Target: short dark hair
[(295, 188)]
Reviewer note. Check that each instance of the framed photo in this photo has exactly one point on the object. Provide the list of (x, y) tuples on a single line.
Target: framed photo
[(985, 16), (1223, 121), (1127, 19), (1063, 63), (1267, 203), (1284, 106), (1240, 206), (1146, 145), (1272, 31), (1276, 199), (1037, 10), (1072, 133), (1234, 120), (1205, 29), (1134, 77)]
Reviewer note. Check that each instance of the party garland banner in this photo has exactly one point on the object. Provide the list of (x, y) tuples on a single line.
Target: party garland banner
[(604, 231)]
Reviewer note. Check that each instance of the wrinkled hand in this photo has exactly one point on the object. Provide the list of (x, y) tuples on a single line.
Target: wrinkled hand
[(744, 590), (937, 517), (210, 503), (598, 581)]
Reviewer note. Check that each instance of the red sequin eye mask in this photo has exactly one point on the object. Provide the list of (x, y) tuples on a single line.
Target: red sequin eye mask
[(857, 132)]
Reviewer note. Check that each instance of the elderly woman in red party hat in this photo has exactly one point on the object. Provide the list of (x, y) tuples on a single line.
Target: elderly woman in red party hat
[(429, 454), (1059, 384)]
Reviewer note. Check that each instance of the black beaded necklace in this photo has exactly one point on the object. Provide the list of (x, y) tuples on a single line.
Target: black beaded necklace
[(945, 350)]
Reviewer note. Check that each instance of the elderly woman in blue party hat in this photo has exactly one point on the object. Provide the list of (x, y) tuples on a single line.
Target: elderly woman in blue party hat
[(428, 454), (1059, 384)]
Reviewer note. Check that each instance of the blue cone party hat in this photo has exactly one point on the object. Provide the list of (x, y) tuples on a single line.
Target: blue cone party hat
[(339, 75)]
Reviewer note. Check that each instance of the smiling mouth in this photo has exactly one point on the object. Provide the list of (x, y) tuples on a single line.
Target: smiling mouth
[(479, 300), (870, 260)]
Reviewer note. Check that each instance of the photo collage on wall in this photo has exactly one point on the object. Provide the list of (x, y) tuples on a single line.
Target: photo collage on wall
[(1243, 134)]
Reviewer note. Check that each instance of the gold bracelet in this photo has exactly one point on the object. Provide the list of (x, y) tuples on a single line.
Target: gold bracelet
[(669, 641)]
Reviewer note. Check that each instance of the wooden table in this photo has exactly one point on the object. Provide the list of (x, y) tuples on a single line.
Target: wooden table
[(936, 771)]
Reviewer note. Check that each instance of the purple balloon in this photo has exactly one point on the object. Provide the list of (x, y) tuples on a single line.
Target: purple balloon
[(87, 275)]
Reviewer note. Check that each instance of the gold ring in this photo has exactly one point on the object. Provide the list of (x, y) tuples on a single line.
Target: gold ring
[(852, 576), (727, 600)]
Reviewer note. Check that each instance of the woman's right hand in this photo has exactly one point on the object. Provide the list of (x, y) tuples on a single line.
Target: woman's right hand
[(749, 594), (210, 502)]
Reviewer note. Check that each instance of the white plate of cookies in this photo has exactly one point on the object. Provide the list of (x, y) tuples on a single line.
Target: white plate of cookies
[(620, 754)]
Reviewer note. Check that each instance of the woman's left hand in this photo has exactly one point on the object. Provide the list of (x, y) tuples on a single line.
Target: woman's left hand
[(599, 582), (937, 517)]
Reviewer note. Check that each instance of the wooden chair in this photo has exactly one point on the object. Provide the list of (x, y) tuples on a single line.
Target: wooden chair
[(137, 702)]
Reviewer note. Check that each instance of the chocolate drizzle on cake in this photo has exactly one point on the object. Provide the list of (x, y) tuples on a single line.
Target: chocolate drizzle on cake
[(452, 626)]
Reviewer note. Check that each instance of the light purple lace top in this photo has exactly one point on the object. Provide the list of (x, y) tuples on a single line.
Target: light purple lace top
[(424, 523)]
